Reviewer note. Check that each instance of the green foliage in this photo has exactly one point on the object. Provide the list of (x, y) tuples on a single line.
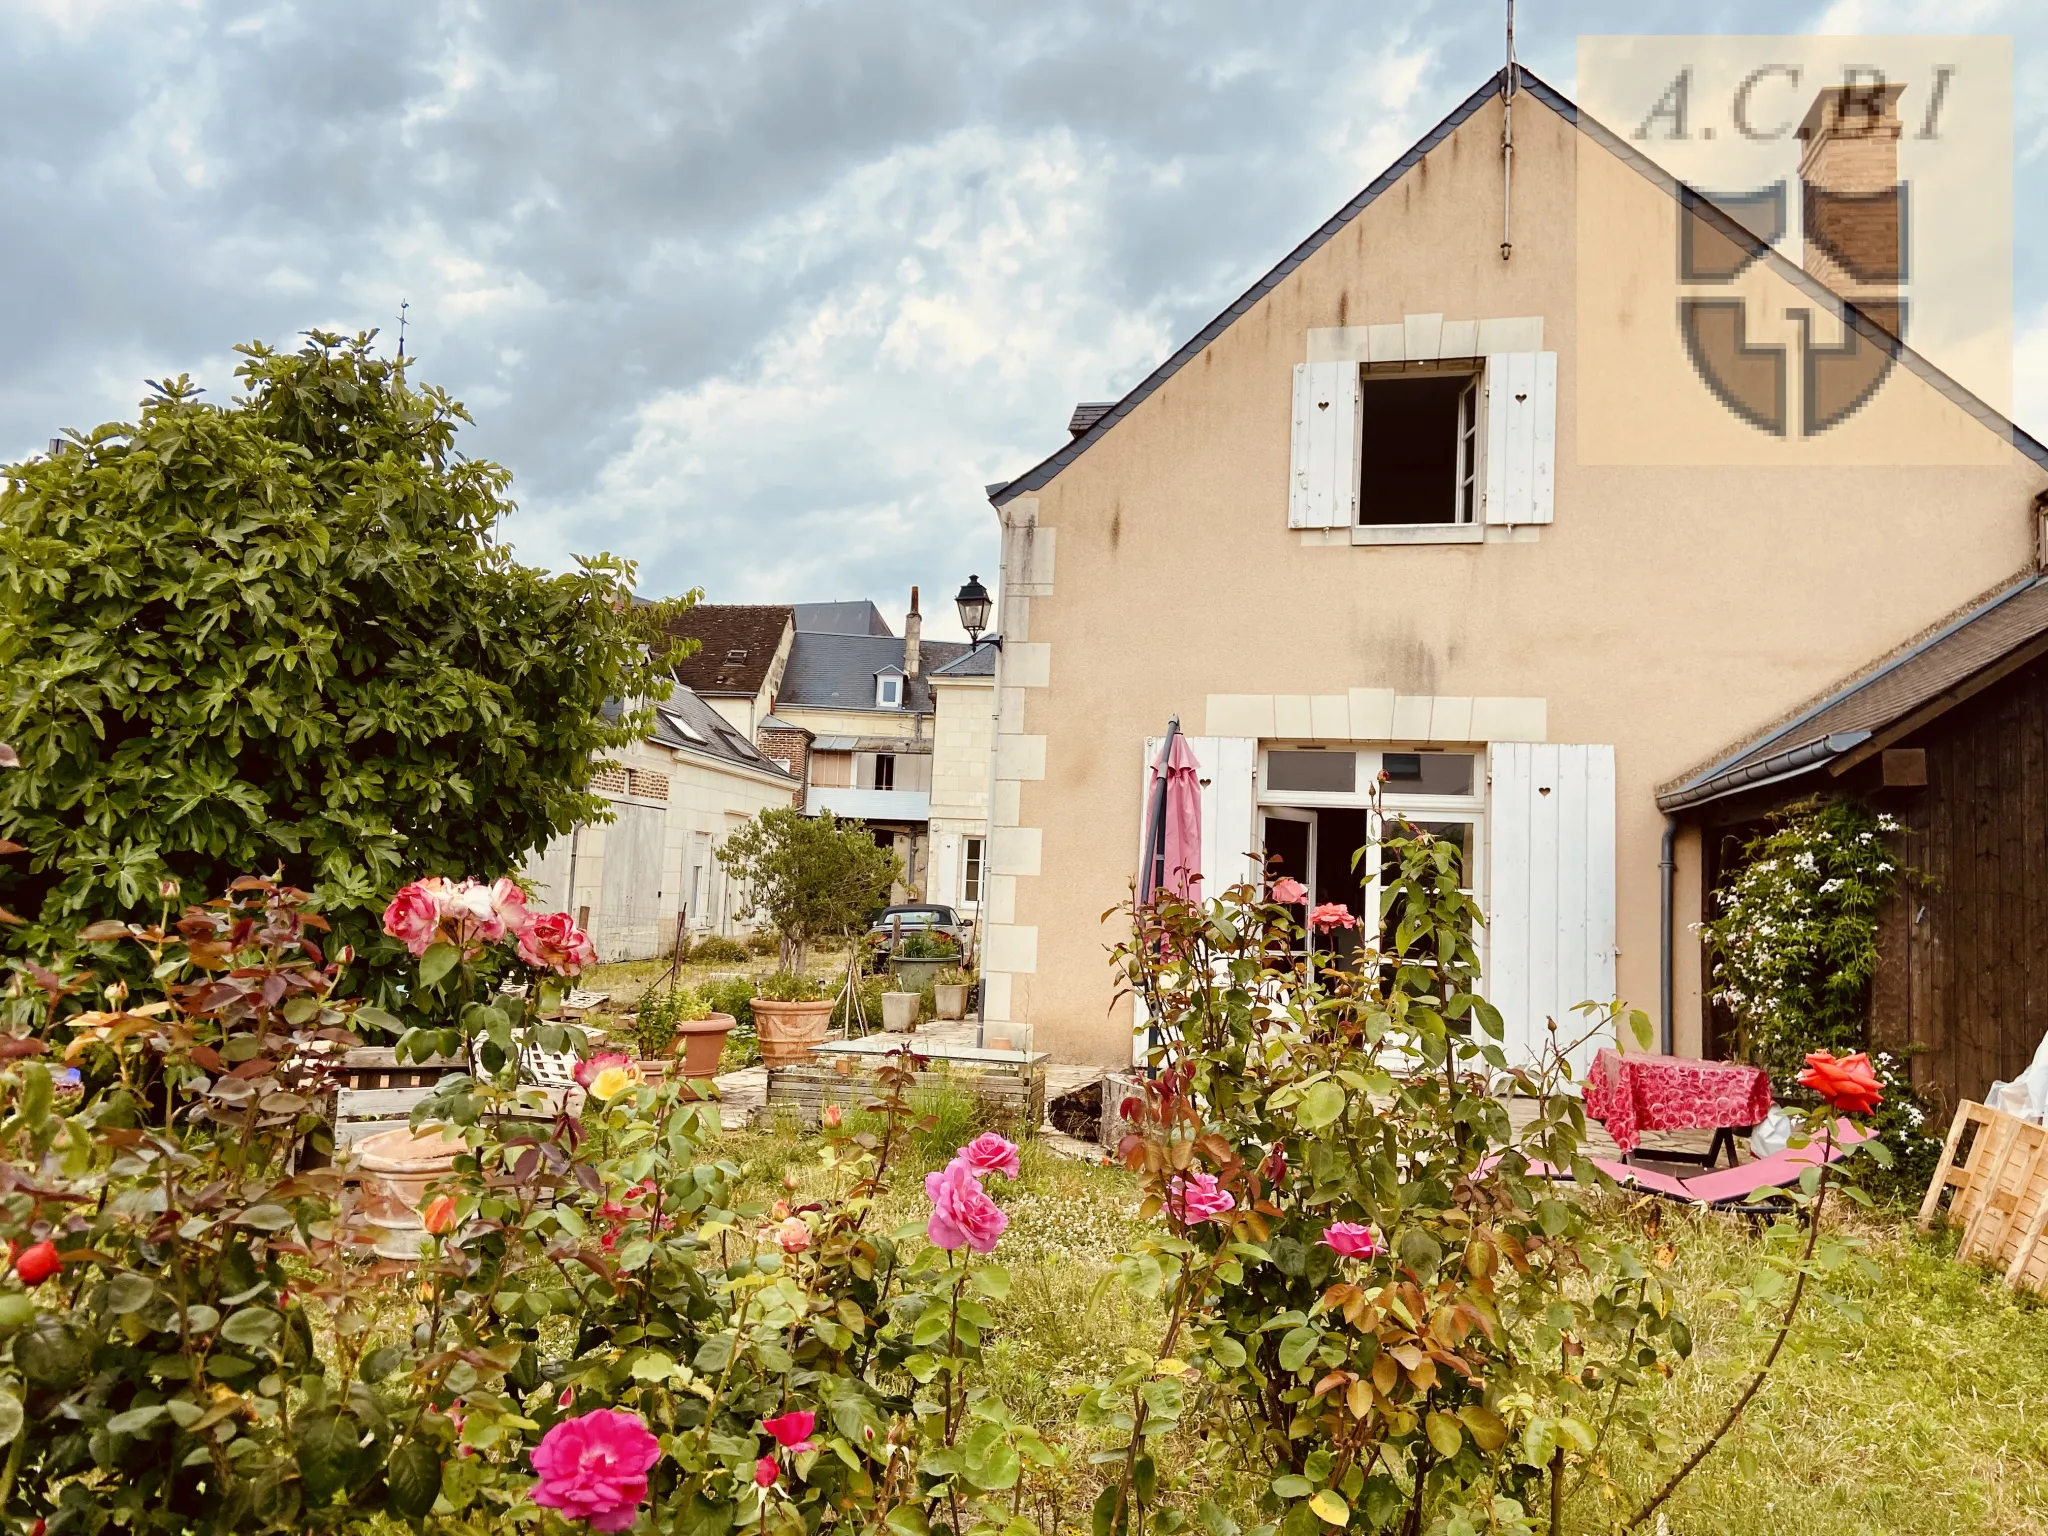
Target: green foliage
[(1794, 935), (218, 1357), (810, 877), (791, 987), (871, 990), (1460, 1369), (716, 949), (653, 1030), (733, 995), (286, 634), (926, 946)]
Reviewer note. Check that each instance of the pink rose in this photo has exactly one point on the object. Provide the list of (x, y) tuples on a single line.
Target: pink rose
[(963, 1216), (1353, 1241), (594, 1468), (792, 1431), (794, 1235), (553, 942), (1197, 1198), (469, 909), (1332, 914), (508, 906), (412, 917), (766, 1472), (587, 1070), (989, 1153), (1289, 892)]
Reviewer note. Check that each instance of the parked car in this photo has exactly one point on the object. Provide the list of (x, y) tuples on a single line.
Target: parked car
[(931, 921)]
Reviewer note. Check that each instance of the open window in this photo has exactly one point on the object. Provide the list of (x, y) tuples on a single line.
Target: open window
[(1419, 449)]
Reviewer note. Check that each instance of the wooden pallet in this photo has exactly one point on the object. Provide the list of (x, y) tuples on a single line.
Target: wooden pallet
[(1994, 1170)]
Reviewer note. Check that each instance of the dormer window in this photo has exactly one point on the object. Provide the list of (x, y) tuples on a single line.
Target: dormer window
[(888, 690)]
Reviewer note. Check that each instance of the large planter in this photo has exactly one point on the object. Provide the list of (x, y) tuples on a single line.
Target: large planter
[(788, 1031), (951, 1001), (899, 1012), (916, 975), (704, 1042)]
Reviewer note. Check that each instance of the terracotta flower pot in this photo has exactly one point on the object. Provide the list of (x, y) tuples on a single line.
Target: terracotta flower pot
[(399, 1165), (787, 1031), (704, 1042)]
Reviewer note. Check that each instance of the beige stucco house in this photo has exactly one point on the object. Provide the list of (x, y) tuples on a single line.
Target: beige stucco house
[(1478, 519), (963, 736)]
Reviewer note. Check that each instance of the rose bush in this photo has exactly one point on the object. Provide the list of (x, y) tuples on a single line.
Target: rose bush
[(1378, 1294)]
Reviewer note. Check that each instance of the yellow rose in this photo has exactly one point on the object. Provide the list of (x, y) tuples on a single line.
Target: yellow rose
[(613, 1081)]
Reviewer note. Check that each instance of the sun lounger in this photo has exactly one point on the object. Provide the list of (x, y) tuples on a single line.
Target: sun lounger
[(1729, 1186)]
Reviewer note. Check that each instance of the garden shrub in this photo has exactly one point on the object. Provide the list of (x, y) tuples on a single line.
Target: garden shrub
[(588, 1285), (1380, 1303), (1794, 949), (653, 1030), (733, 995), (791, 987), (716, 949), (285, 633), (809, 877)]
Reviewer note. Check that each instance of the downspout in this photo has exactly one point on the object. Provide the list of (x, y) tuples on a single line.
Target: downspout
[(1667, 866)]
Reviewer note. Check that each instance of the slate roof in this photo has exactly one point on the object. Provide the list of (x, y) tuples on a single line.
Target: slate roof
[(978, 662), (686, 721), (1042, 473), (861, 617), (829, 671), (1887, 702), (737, 646)]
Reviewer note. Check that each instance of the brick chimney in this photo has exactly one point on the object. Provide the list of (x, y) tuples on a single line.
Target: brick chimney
[(913, 636), (1854, 204)]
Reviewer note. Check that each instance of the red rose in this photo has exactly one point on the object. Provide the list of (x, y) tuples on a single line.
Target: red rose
[(38, 1262), (553, 942), (1847, 1085)]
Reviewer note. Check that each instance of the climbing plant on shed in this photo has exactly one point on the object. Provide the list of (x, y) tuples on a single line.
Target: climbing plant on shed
[(283, 634), (1794, 933)]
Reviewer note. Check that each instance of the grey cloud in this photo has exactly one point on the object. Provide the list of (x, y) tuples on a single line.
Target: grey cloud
[(637, 236)]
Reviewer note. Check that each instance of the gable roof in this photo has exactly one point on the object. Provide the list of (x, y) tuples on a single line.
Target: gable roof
[(828, 671), (687, 723), (1048, 468), (1913, 688), (737, 643), (860, 617)]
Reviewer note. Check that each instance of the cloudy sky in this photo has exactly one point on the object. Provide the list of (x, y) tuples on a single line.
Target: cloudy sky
[(759, 295)]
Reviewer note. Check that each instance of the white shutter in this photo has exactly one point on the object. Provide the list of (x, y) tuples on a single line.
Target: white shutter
[(1322, 487), (1521, 437), (1550, 930)]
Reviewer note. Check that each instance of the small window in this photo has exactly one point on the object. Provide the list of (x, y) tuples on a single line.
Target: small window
[(970, 871), (1322, 773), (885, 770), (1427, 773), (1419, 449), (734, 657), (889, 692)]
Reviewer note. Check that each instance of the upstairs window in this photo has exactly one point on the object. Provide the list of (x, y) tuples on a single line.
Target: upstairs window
[(1435, 446), (888, 691), (1418, 451), (885, 770)]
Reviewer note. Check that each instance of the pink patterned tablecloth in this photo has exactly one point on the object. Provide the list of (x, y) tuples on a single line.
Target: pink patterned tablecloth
[(1636, 1093)]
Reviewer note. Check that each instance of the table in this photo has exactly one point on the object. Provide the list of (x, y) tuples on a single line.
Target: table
[(1639, 1092)]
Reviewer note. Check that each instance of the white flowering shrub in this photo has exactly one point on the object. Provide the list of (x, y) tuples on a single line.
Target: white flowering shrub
[(1794, 946)]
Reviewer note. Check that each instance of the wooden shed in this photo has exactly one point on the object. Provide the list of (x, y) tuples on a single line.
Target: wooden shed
[(1950, 735)]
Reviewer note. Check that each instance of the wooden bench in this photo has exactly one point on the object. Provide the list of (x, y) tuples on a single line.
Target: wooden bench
[(1010, 1083)]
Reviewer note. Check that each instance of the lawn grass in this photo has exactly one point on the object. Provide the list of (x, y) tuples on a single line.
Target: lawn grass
[(1929, 1414)]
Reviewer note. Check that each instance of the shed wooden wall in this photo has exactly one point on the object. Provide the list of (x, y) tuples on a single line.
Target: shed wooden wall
[(1964, 950)]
